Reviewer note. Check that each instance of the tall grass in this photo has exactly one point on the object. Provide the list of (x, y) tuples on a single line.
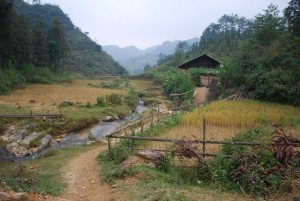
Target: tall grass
[(242, 114)]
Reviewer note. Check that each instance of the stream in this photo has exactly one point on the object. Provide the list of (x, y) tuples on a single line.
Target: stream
[(78, 138), (98, 131)]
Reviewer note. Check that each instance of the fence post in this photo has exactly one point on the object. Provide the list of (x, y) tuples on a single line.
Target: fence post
[(109, 145), (158, 111), (204, 137), (152, 117), (142, 125), (132, 144), (31, 114)]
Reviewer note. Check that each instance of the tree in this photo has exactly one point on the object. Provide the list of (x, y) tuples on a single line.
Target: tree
[(57, 45), (268, 26), (39, 45), (22, 49), (147, 67), (5, 31), (292, 14)]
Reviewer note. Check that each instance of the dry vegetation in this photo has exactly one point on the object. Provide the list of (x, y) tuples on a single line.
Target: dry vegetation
[(47, 96), (227, 118), (192, 132), (44, 98), (242, 114)]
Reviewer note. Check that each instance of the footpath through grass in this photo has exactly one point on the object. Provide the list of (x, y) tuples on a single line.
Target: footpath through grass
[(42, 175)]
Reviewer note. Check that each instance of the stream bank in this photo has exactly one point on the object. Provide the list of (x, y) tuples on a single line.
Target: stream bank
[(20, 147)]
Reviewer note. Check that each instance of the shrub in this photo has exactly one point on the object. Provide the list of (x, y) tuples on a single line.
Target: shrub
[(131, 99), (178, 82), (115, 84), (114, 99), (101, 101), (34, 143)]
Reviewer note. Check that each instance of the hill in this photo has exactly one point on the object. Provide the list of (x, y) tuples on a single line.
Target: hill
[(135, 59), (86, 56)]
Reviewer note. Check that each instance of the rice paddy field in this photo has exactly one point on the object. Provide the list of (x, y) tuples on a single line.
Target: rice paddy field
[(227, 118), (45, 98), (242, 114)]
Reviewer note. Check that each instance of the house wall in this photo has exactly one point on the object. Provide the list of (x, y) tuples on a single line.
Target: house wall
[(208, 80)]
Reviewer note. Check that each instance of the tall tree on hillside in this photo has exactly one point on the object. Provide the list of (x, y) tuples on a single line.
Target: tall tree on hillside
[(39, 45), (291, 57), (292, 14), (264, 45), (57, 44), (5, 31), (22, 48)]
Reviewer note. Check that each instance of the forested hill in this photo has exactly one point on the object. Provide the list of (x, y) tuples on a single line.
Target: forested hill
[(85, 56), (260, 56)]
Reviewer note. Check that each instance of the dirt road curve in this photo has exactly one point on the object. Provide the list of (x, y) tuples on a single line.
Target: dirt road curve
[(82, 177)]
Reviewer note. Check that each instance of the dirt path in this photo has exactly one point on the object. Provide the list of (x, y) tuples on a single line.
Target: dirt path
[(82, 177), (201, 94)]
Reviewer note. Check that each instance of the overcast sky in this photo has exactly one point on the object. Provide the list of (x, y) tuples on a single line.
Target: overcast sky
[(145, 23)]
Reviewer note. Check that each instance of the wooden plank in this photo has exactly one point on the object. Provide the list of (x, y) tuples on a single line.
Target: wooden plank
[(30, 115), (193, 141), (182, 93)]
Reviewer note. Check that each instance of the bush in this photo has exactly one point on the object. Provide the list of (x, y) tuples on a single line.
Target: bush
[(115, 84), (131, 99), (10, 79), (101, 101), (254, 170), (114, 99), (178, 82)]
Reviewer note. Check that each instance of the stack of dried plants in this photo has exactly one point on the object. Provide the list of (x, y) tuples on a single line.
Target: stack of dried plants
[(285, 146)]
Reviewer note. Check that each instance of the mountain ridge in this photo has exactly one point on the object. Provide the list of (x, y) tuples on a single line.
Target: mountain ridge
[(134, 59)]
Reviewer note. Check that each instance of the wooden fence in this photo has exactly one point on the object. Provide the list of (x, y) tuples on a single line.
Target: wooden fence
[(31, 115), (155, 118), (150, 120), (203, 141)]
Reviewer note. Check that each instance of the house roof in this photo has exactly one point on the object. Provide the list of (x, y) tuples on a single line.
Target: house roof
[(201, 61)]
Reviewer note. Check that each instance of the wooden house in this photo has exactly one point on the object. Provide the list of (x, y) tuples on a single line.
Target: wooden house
[(203, 61)]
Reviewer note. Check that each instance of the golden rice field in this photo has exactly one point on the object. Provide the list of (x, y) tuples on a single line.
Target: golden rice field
[(242, 114), (227, 118), (46, 97), (192, 132)]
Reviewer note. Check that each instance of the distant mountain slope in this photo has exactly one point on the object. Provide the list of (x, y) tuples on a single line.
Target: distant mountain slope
[(134, 59), (86, 57)]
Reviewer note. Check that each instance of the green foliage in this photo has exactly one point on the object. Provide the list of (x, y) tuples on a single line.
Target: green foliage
[(115, 84), (101, 101), (42, 35), (166, 163), (178, 82), (34, 143), (114, 99), (65, 104), (248, 136), (292, 14), (57, 44), (131, 99), (197, 72), (11, 78)]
